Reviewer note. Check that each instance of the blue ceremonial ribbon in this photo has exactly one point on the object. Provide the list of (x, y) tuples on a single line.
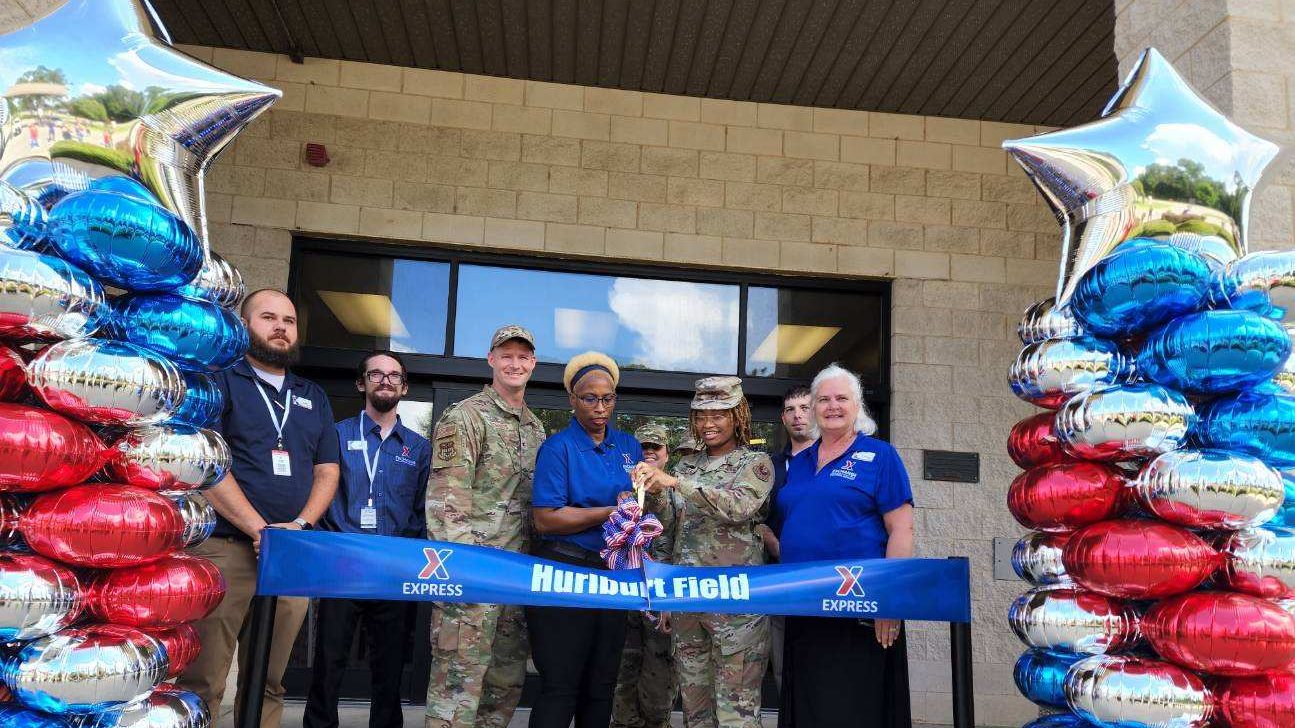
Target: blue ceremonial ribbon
[(363, 566)]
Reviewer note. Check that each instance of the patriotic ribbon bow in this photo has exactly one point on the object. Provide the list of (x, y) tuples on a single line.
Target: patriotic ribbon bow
[(628, 533)]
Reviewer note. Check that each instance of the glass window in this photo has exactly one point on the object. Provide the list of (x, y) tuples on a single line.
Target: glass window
[(794, 333), (372, 302), (642, 323)]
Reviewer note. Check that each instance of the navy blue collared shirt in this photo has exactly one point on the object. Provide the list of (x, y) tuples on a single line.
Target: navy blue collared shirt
[(309, 437), (836, 512), (570, 470), (404, 460)]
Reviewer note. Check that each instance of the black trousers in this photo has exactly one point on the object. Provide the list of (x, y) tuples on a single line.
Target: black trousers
[(836, 675), (384, 622), (577, 653)]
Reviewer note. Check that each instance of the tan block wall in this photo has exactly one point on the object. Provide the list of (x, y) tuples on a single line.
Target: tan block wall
[(430, 158)]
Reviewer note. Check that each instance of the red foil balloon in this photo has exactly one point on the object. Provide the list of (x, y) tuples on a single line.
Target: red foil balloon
[(1259, 702), (103, 525), (13, 376), (179, 588), (1134, 559), (181, 643), (1033, 442), (43, 450), (1222, 633), (1067, 496)]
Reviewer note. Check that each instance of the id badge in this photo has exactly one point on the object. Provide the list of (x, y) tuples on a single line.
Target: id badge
[(368, 517), (281, 463)]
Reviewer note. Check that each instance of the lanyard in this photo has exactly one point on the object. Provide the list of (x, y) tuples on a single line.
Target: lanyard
[(279, 423), (370, 467)]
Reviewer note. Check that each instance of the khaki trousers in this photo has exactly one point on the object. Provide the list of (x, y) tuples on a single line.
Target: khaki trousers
[(227, 626)]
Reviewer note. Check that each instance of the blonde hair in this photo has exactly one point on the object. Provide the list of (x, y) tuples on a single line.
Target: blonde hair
[(590, 359), (863, 421)]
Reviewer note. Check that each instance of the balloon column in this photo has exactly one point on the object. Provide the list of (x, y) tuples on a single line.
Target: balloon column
[(113, 315), (1158, 483)]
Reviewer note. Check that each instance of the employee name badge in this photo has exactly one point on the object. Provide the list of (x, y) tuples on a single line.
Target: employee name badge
[(281, 463), (355, 444), (368, 517)]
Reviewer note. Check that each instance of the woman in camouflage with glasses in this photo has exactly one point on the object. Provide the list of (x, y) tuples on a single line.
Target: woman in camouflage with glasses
[(709, 509)]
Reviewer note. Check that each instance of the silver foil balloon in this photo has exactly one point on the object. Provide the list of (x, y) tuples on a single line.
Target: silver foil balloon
[(1123, 422), (1047, 373), (1210, 489), (1037, 558), (1070, 619), (1043, 321), (85, 669), (22, 219), (1263, 282), (174, 457), (1161, 163), (218, 281), (38, 597), (47, 298), (1133, 692), (96, 91), (1261, 562), (1284, 379), (106, 382), (166, 707), (199, 517)]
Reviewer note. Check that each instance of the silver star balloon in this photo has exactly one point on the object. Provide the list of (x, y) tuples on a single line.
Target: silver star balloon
[(95, 89), (1161, 163)]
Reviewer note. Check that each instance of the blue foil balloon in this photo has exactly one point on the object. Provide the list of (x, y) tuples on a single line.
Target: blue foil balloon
[(1059, 720), (1041, 676), (22, 219), (13, 715), (1142, 284), (1285, 518), (1214, 351), (1253, 423), (202, 403), (124, 186), (195, 335), (128, 242)]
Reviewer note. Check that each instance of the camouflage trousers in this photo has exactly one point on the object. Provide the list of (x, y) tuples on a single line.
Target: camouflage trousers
[(478, 665), (720, 660), (646, 683)]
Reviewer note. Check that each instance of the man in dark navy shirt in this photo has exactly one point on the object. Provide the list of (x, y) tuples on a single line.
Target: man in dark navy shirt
[(385, 466), (280, 430)]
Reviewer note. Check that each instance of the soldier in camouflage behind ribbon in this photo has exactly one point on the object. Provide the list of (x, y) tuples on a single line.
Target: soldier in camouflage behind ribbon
[(709, 509), (483, 461), (646, 684)]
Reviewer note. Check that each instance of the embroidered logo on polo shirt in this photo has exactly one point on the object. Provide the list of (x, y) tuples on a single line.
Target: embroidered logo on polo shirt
[(845, 471)]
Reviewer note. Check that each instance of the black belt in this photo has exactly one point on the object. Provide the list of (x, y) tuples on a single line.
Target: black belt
[(572, 551)]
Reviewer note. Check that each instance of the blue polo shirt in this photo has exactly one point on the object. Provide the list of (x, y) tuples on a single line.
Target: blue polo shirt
[(404, 461), (836, 513), (309, 436), (570, 470)]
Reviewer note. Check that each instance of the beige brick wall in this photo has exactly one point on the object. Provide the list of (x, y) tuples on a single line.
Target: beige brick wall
[(429, 158), (1241, 55)]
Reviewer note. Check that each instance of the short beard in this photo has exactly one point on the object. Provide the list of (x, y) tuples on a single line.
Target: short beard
[(259, 349), (384, 405)]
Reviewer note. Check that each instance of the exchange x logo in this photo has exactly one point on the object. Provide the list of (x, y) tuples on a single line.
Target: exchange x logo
[(435, 567), (850, 585)]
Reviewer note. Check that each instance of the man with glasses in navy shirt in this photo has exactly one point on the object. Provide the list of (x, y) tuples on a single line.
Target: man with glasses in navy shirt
[(385, 467)]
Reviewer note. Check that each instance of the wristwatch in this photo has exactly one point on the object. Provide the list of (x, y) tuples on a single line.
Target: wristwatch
[(305, 525)]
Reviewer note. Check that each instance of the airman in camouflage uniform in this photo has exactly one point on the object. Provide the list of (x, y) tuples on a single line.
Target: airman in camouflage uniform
[(646, 683), (483, 460), (709, 515)]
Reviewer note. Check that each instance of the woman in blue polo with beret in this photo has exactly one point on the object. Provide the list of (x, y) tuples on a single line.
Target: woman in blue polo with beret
[(847, 497), (578, 474)]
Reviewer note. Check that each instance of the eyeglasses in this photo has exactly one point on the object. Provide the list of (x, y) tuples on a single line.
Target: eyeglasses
[(591, 401), (711, 417), (377, 377)]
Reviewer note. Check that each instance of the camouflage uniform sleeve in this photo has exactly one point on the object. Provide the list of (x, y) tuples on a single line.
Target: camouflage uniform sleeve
[(663, 507), (456, 444), (738, 501)]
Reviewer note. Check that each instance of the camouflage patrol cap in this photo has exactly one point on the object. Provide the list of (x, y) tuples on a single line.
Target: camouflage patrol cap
[(687, 444), (717, 393), (652, 434), (509, 332)]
